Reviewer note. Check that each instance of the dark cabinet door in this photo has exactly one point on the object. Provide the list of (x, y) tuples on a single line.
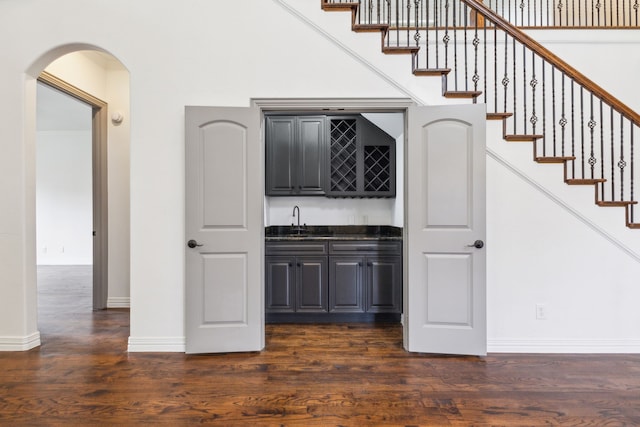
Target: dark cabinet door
[(280, 284), (295, 155), (383, 284), (311, 284), (346, 284), (311, 154), (281, 176)]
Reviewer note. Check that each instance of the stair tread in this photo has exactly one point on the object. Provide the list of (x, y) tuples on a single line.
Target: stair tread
[(615, 203), (634, 225), (400, 49), (431, 71), (554, 159), (522, 138), (339, 6), (366, 28), (462, 93), (584, 181), (498, 116)]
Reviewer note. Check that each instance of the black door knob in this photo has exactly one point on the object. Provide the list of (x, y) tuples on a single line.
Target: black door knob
[(478, 244), (193, 244)]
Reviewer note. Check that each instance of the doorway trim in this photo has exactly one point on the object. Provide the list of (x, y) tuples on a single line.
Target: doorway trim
[(99, 168), (360, 105)]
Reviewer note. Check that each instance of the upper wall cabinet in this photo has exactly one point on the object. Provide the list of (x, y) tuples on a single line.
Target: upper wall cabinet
[(295, 155), (362, 159)]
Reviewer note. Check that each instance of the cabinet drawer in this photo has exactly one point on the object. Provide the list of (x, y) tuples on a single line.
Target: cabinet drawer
[(386, 247), (296, 248)]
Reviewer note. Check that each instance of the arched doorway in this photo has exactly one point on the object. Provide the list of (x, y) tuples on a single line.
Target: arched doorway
[(99, 80)]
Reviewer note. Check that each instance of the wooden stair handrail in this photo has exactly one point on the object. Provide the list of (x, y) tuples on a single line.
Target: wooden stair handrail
[(551, 58)]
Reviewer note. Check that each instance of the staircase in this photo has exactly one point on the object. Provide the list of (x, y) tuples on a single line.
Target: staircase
[(539, 98)]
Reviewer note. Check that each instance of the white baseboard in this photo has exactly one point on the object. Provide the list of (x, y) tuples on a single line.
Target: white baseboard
[(20, 343), (563, 346), (119, 302), (156, 344)]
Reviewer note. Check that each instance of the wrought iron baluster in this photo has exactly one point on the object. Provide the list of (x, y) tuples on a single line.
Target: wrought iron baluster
[(495, 67), (582, 132), (397, 23), (505, 79), (426, 33), (544, 109), (563, 119), (416, 36), (632, 174), (476, 42), (533, 83), (579, 13), (466, 59), (559, 7), (592, 125), (388, 36), (622, 163), (553, 107), (446, 38), (601, 149), (407, 23), (598, 6), (611, 143), (436, 24), (573, 131), (524, 88), (515, 90), (455, 46)]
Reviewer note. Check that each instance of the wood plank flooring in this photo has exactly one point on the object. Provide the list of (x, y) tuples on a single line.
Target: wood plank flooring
[(329, 375)]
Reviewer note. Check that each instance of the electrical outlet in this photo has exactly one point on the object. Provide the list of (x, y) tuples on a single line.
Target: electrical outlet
[(541, 312)]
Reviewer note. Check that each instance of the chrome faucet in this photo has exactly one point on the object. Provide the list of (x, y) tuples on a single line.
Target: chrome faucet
[(298, 228)]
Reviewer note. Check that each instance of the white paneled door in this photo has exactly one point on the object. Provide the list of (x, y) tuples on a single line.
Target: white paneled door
[(444, 289), (224, 230), (445, 281)]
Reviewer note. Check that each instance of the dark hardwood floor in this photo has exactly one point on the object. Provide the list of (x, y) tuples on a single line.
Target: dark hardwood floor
[(328, 375)]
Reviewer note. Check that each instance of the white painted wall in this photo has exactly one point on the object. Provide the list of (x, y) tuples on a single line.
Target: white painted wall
[(64, 197), (176, 58)]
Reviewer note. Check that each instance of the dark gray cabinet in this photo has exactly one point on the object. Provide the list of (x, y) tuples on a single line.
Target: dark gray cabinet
[(295, 155), (346, 293), (353, 278), (362, 159), (365, 277), (296, 278)]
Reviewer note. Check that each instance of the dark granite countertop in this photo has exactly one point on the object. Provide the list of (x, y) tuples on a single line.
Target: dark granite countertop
[(332, 232)]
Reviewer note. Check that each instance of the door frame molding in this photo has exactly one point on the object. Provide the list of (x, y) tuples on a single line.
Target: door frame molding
[(360, 105), (99, 168)]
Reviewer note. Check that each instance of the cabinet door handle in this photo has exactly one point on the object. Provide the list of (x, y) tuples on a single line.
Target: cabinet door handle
[(370, 264), (290, 264), (298, 264)]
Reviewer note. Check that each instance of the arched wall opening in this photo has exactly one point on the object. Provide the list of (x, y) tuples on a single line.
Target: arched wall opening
[(99, 74)]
